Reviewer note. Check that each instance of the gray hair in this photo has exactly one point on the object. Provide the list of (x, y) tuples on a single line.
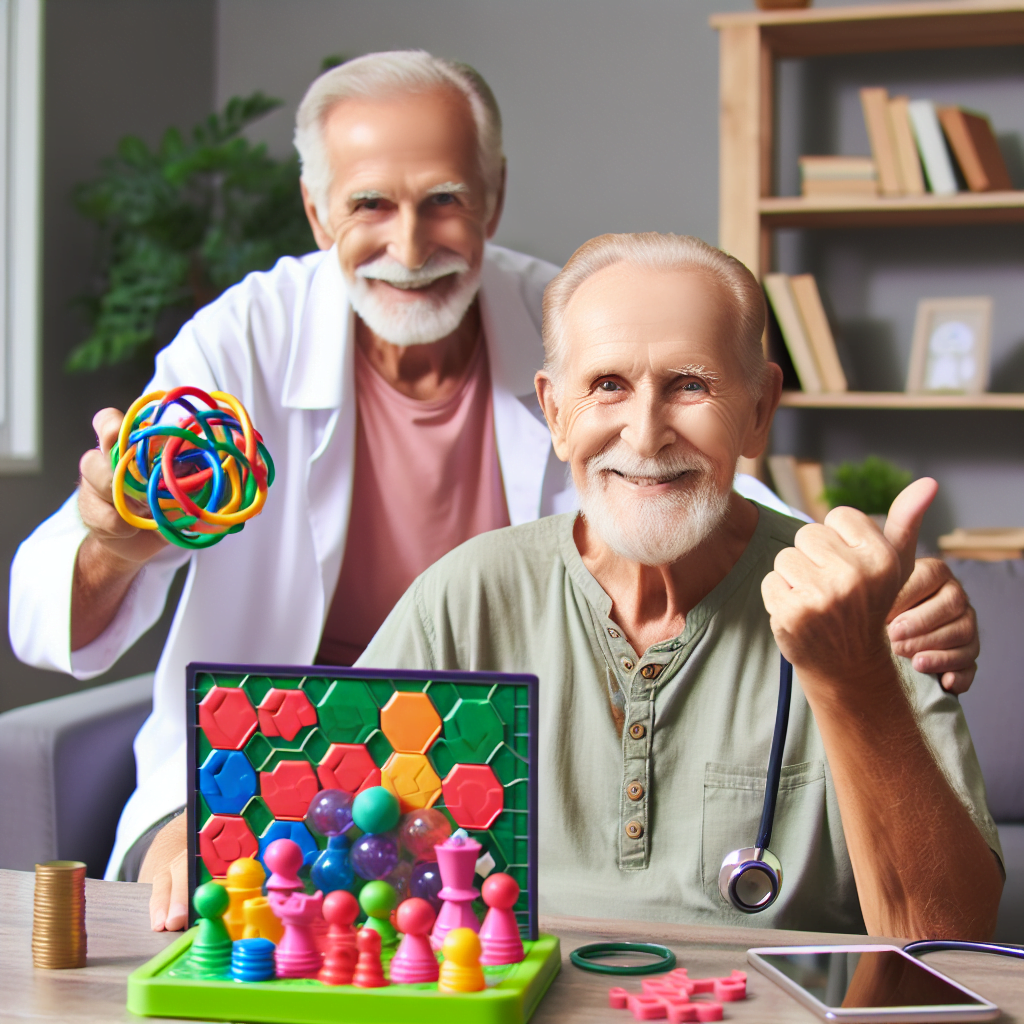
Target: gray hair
[(652, 251), (379, 75)]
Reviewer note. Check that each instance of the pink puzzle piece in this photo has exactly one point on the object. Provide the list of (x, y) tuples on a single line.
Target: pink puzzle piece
[(668, 997)]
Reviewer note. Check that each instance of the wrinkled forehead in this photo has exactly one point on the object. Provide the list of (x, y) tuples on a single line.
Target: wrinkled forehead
[(658, 317)]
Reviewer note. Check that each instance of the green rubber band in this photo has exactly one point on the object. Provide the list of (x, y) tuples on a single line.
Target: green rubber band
[(583, 957)]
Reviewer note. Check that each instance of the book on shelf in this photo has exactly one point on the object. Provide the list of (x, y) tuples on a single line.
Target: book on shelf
[(819, 333), (908, 162), (838, 176), (976, 150), (782, 469), (931, 144), (987, 544), (794, 333), (875, 104), (800, 483)]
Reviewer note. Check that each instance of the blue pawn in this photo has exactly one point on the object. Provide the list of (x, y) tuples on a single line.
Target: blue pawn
[(332, 869)]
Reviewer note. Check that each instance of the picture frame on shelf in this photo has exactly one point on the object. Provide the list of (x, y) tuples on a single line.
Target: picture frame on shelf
[(951, 347)]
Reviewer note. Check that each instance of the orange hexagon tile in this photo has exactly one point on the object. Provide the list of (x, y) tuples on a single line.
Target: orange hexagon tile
[(289, 788), (227, 718), (411, 778), (348, 766), (473, 795), (284, 712), (411, 722)]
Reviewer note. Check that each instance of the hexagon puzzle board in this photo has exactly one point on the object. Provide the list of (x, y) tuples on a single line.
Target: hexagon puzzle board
[(263, 740)]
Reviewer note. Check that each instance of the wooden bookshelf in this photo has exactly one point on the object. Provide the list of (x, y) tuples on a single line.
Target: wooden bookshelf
[(900, 400), (920, 211)]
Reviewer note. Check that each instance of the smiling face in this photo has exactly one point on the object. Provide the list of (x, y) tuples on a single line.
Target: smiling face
[(652, 407), (408, 210)]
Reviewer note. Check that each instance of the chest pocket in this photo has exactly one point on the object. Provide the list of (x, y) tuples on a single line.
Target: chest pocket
[(733, 798)]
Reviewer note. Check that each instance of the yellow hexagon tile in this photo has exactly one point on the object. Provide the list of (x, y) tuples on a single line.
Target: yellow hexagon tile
[(411, 778)]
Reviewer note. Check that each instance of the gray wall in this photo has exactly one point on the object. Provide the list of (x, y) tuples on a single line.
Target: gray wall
[(112, 67)]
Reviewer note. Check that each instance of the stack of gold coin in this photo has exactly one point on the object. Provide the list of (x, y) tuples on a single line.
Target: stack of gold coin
[(58, 921)]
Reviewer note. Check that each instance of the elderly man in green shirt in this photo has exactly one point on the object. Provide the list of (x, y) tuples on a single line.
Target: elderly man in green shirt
[(654, 621)]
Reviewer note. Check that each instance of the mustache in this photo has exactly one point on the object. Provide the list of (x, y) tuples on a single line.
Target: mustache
[(621, 459), (388, 269)]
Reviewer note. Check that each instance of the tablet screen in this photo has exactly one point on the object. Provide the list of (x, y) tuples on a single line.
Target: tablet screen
[(870, 979)]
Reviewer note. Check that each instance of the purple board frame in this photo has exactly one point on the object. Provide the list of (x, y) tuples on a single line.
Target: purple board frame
[(341, 672)]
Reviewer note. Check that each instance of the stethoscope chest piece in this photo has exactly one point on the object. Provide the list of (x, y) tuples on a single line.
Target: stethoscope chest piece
[(750, 879)]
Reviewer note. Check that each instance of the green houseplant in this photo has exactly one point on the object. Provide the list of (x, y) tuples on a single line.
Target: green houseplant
[(181, 222), (871, 485)]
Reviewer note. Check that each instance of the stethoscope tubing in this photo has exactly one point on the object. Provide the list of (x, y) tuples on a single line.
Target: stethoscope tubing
[(771, 787)]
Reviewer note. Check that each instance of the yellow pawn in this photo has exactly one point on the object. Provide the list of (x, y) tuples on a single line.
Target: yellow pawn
[(244, 881), (260, 921), (461, 970)]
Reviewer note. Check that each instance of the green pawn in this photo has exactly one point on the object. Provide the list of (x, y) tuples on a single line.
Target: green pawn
[(210, 956), (378, 899)]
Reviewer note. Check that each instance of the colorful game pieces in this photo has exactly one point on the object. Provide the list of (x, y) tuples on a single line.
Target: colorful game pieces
[(425, 882), (374, 855), (368, 973), (378, 899), (499, 934), (284, 858), (252, 960), (210, 955), (669, 997), (456, 859), (244, 881), (415, 961), (330, 812), (375, 810), (297, 954), (260, 921), (332, 869), (461, 970), (421, 830), (340, 910)]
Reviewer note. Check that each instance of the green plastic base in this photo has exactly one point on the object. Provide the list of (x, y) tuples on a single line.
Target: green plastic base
[(162, 988)]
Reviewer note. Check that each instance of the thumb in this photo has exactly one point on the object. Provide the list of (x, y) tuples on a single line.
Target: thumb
[(904, 521), (107, 425)]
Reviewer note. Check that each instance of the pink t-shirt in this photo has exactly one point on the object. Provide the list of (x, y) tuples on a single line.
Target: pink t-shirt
[(426, 479)]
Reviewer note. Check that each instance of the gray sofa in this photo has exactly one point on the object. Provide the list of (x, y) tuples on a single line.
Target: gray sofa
[(66, 765)]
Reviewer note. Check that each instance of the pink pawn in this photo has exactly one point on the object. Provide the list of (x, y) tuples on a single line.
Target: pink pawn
[(499, 934), (368, 972), (296, 955), (284, 858), (414, 962)]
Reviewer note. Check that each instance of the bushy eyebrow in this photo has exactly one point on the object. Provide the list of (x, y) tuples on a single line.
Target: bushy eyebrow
[(367, 193), (696, 370), (448, 186)]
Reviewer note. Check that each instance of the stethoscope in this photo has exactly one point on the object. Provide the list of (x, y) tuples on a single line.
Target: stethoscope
[(751, 878)]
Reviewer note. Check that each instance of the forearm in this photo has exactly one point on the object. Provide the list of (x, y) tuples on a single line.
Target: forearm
[(921, 866), (101, 581)]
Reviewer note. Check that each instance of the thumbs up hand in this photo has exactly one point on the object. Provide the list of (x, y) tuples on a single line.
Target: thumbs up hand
[(829, 596)]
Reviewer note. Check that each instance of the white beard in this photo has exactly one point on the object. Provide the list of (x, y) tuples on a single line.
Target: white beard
[(427, 319), (660, 529)]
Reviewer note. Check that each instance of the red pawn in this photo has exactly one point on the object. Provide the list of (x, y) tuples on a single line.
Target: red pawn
[(368, 973), (340, 910), (499, 934), (414, 962)]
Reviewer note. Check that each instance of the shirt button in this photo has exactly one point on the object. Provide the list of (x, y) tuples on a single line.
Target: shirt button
[(627, 664), (634, 829), (651, 671), (638, 730), (634, 790), (614, 634)]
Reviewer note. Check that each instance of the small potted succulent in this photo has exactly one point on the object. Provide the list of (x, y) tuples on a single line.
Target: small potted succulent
[(870, 486)]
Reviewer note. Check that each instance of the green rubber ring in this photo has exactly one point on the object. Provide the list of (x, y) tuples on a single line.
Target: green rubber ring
[(585, 955)]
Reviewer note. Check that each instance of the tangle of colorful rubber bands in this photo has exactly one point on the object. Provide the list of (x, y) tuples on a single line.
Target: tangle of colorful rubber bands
[(203, 472)]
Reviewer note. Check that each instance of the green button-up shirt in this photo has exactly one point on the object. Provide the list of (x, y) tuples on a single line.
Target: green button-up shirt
[(652, 768)]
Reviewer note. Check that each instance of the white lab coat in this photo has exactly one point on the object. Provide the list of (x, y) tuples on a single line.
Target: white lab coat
[(282, 342)]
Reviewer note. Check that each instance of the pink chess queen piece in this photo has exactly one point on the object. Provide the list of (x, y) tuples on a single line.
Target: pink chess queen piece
[(456, 860), (414, 962), (297, 955), (499, 934)]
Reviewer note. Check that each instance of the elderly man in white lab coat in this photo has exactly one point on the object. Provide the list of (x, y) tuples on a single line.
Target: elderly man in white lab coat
[(391, 376)]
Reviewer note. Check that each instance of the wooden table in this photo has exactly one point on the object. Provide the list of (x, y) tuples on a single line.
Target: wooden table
[(117, 920)]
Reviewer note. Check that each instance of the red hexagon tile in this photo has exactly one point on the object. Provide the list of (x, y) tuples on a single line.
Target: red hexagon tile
[(410, 721), (227, 718), (348, 766), (289, 788), (284, 712), (223, 839), (473, 795)]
